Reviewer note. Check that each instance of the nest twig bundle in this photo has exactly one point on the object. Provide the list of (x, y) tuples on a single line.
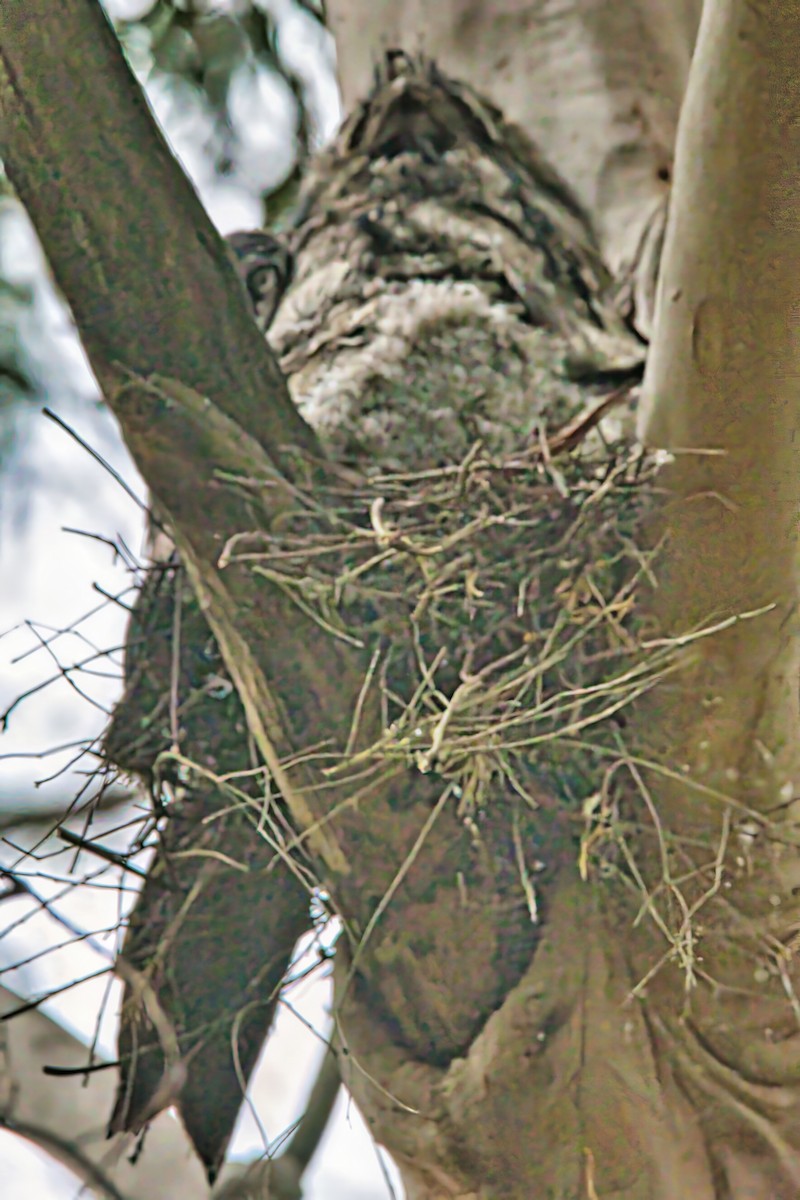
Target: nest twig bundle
[(496, 600)]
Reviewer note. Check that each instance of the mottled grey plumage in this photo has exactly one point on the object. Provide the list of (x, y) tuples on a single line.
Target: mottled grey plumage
[(447, 285)]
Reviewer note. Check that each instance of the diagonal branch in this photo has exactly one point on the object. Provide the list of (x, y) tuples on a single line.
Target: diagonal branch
[(109, 205), (109, 201), (184, 408)]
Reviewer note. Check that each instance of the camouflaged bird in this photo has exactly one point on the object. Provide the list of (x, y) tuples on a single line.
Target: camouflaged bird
[(264, 265), (439, 285), (447, 286)]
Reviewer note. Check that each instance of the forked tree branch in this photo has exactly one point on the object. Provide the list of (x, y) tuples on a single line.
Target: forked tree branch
[(214, 478), (299, 681), (109, 201)]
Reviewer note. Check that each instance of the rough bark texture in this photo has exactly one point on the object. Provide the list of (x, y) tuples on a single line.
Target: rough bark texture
[(404, 363), (214, 928), (495, 1056)]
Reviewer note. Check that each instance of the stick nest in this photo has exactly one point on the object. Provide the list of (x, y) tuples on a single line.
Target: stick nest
[(495, 602)]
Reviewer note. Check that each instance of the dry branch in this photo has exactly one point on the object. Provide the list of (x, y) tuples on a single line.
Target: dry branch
[(66, 1117)]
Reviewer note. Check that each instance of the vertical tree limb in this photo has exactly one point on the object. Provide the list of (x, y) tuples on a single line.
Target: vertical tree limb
[(723, 384)]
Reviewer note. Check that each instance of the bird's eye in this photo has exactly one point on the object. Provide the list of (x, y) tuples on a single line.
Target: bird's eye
[(261, 277)]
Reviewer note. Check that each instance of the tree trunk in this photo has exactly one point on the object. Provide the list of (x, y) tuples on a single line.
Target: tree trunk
[(434, 645)]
